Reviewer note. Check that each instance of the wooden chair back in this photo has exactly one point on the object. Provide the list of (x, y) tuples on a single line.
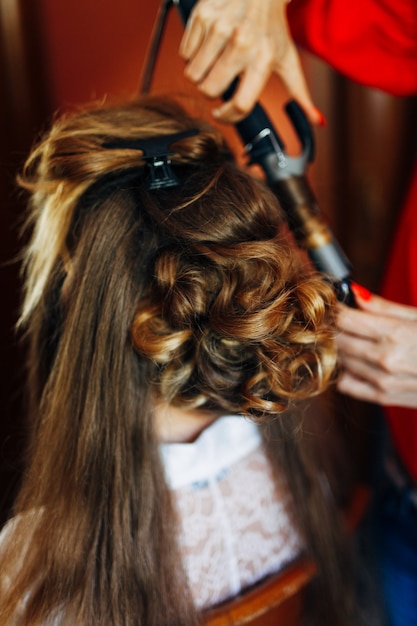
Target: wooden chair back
[(276, 602), (279, 600)]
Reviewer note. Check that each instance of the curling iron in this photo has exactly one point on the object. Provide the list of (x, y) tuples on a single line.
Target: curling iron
[(285, 175)]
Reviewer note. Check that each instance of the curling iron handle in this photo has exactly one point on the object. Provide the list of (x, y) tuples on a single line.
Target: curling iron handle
[(184, 8)]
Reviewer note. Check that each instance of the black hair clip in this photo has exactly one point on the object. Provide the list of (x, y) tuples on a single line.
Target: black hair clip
[(157, 156)]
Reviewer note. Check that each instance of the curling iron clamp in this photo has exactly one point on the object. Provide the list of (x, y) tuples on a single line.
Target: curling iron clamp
[(285, 175)]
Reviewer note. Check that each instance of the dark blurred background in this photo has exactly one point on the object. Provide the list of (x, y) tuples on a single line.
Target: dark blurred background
[(56, 55)]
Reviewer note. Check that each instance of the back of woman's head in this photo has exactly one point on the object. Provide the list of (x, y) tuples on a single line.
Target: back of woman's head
[(191, 294), (224, 315)]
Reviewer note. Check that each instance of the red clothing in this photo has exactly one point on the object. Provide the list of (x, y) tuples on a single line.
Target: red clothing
[(375, 43)]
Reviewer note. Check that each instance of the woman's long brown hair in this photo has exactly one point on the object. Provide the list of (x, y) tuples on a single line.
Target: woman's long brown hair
[(191, 294)]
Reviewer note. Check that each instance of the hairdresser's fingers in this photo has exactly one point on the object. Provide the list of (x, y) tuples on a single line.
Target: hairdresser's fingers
[(380, 362), (390, 345), (254, 71), (255, 58), (198, 25), (240, 105), (356, 388), (353, 345), (192, 38), (382, 393), (247, 39), (362, 324), (207, 54), (378, 350), (207, 32), (290, 70), (244, 49), (380, 306)]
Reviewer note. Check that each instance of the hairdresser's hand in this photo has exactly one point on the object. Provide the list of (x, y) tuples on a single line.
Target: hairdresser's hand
[(378, 351), (225, 39)]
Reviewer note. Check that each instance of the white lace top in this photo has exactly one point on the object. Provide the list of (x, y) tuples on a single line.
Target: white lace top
[(235, 518), (236, 525)]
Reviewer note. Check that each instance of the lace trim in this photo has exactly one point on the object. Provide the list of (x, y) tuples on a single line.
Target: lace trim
[(236, 527)]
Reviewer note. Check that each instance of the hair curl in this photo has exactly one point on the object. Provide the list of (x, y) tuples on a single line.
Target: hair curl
[(231, 319)]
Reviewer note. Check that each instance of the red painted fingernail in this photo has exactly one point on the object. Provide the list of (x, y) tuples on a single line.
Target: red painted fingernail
[(361, 292), (321, 119)]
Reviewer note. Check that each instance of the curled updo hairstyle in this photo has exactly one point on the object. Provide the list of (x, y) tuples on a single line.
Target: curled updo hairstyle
[(193, 295), (229, 319)]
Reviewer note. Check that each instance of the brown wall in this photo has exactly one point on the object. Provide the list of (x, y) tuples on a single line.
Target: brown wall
[(55, 55), (94, 48), (23, 108)]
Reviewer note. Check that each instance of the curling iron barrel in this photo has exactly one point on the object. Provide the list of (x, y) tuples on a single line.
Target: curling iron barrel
[(286, 177), (309, 230)]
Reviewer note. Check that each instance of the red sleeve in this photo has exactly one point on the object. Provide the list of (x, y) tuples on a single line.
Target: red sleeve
[(373, 42), (400, 282)]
